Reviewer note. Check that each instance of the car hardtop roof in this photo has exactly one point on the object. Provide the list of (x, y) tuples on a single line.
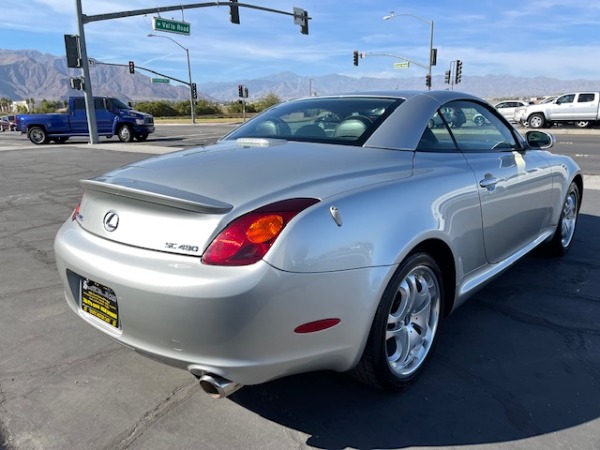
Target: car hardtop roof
[(439, 96)]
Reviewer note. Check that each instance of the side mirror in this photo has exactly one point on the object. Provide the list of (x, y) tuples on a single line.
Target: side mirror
[(540, 139)]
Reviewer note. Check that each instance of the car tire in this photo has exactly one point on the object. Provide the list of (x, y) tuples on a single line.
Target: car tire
[(410, 313), (141, 137), (479, 121), (562, 240), (125, 133), (536, 121), (37, 135), (582, 124)]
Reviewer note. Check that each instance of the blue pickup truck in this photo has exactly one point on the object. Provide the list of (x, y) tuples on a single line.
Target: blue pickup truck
[(113, 117)]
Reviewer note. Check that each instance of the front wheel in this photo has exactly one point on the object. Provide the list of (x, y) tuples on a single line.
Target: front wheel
[(582, 124), (141, 137), (537, 121), (125, 133), (37, 135), (406, 324), (565, 230)]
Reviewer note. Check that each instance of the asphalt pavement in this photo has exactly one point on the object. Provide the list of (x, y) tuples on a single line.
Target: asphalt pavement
[(517, 367)]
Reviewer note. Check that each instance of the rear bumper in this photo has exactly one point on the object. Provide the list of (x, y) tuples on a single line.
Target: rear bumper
[(234, 322)]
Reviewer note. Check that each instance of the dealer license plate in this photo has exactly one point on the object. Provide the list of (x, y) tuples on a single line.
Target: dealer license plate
[(100, 301)]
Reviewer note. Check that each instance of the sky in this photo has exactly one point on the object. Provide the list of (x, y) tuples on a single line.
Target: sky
[(528, 38)]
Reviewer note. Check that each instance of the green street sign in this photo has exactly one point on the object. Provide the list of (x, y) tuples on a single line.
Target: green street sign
[(161, 80), (401, 65), (170, 26)]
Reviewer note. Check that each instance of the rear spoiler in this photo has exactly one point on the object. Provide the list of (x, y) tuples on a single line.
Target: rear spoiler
[(156, 193)]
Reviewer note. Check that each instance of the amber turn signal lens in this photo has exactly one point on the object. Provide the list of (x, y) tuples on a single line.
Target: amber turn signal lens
[(264, 229)]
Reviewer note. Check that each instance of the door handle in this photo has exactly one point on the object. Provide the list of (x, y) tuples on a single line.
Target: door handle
[(489, 183)]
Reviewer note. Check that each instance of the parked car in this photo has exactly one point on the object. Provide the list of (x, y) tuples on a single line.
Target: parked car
[(327, 233), (520, 116), (453, 117), (578, 108), (507, 108), (8, 123)]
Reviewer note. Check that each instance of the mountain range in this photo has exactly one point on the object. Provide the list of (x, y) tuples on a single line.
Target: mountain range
[(28, 74)]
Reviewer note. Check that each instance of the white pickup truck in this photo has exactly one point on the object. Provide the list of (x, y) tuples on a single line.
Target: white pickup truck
[(580, 108)]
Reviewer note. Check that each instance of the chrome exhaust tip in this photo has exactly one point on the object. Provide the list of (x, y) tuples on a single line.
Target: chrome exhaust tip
[(218, 387)]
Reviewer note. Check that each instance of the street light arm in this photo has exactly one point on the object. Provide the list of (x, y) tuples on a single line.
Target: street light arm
[(167, 37), (392, 15)]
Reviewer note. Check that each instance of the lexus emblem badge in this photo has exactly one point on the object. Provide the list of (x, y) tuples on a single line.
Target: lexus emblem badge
[(111, 221)]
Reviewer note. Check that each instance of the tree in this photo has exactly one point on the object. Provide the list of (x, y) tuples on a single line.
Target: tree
[(5, 104), (50, 106), (160, 108), (266, 102), (206, 107)]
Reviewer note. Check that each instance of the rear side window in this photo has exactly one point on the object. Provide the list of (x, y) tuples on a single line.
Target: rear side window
[(585, 98), (78, 103)]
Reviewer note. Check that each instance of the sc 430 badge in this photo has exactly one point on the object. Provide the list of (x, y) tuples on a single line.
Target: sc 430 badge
[(182, 247)]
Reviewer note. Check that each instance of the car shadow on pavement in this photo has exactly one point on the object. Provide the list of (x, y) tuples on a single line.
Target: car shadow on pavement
[(519, 359)]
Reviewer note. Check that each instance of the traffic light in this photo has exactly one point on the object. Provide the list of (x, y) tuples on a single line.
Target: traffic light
[(458, 75), (433, 57), (234, 11), (301, 18), (76, 83), (131, 67), (194, 91), (72, 50), (245, 92), (447, 77), (356, 57), (428, 80), (240, 90)]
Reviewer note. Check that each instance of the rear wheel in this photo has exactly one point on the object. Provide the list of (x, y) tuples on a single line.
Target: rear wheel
[(537, 121), (565, 230), (406, 324), (125, 133), (582, 124), (37, 135)]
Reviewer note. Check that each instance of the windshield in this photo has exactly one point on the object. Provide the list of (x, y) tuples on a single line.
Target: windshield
[(118, 104), (342, 120)]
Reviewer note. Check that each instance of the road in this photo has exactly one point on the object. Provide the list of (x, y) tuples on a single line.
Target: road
[(518, 366)]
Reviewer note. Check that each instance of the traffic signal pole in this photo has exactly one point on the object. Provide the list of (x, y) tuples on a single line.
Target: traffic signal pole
[(87, 81)]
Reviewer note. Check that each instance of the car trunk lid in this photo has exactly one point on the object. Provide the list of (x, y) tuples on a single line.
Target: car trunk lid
[(178, 202)]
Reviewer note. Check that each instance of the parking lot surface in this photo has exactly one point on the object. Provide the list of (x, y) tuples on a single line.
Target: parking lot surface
[(517, 367)]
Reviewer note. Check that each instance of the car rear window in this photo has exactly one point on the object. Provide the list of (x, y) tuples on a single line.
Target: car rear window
[(340, 120)]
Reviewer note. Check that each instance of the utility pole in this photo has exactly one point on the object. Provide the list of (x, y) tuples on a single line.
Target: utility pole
[(87, 81)]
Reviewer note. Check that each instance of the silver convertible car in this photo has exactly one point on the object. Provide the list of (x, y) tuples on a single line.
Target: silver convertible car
[(326, 233)]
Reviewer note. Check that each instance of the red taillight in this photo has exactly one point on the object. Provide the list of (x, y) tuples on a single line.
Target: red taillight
[(248, 238)]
